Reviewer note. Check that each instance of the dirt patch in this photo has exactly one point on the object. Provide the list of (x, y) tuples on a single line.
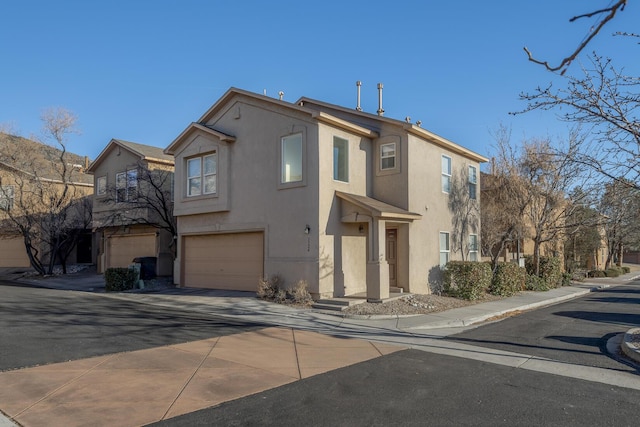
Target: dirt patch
[(416, 304)]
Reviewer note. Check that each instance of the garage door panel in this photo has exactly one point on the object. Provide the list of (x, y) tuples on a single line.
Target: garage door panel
[(13, 253), (224, 261), (123, 249)]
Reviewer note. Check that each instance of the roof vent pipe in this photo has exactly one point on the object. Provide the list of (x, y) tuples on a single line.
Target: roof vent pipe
[(358, 107), (380, 110), (281, 95)]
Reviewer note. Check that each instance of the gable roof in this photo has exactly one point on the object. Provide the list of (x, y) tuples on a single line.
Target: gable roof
[(144, 152), (378, 209)]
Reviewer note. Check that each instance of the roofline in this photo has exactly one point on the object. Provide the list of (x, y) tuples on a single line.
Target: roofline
[(378, 213), (51, 180), (119, 143), (411, 128), (221, 136)]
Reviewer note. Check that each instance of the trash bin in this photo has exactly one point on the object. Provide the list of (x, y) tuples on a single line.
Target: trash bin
[(147, 266)]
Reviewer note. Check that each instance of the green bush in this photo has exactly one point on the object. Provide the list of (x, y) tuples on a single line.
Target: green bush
[(612, 272), (535, 283), (508, 279), (566, 279), (466, 279), (626, 269), (120, 279), (596, 273), (550, 270)]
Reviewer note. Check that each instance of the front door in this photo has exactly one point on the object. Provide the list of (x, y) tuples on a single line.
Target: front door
[(392, 257)]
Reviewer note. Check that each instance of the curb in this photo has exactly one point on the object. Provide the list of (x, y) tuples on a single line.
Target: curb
[(630, 345)]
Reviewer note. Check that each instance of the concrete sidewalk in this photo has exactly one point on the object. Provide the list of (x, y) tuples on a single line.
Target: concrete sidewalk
[(123, 389)]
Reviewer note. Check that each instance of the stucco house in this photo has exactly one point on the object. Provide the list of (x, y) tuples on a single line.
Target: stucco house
[(30, 172), (131, 202), (350, 202)]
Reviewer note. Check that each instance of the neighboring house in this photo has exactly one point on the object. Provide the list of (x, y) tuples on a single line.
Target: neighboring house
[(29, 169), (125, 226), (348, 201)]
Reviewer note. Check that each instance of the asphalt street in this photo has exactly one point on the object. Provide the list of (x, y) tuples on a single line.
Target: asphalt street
[(416, 388), (40, 326), (576, 331)]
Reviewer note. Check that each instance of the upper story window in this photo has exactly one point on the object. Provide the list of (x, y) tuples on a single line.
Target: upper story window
[(473, 247), (127, 186), (6, 197), (202, 175), (446, 174), (340, 159), (444, 248), (101, 185), (388, 156), (291, 161), (473, 182)]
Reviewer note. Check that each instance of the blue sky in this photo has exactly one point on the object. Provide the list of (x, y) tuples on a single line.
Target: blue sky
[(142, 70)]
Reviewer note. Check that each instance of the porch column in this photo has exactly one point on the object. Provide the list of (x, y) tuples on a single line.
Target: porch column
[(377, 266)]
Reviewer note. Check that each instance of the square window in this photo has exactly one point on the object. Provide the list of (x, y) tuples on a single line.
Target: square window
[(101, 185), (340, 159), (446, 174), (388, 156), (291, 166), (202, 175)]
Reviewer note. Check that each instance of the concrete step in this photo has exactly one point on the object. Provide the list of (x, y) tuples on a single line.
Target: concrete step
[(336, 304), (395, 290), (330, 307)]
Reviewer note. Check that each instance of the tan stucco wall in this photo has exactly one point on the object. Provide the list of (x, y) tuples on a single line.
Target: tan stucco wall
[(249, 184)]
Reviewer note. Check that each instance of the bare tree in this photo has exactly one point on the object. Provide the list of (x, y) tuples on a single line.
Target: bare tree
[(604, 104), (620, 204), (465, 209), (607, 14), (503, 201), (44, 186)]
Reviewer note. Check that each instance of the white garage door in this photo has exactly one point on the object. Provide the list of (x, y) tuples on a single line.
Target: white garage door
[(13, 253), (223, 261), (121, 250)]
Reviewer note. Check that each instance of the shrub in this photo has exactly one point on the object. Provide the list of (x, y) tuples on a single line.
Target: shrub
[(596, 273), (535, 283), (566, 279), (508, 280), (268, 287), (120, 279), (550, 270), (300, 294), (466, 279), (626, 269), (612, 272)]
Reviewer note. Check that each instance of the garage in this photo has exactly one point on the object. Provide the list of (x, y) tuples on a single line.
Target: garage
[(121, 250), (223, 261), (13, 253)]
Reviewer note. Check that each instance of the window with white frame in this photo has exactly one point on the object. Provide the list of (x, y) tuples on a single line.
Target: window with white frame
[(446, 174), (388, 156), (291, 161), (132, 185), (202, 175), (444, 248), (121, 187), (101, 185), (473, 247), (340, 159), (473, 182), (6, 197)]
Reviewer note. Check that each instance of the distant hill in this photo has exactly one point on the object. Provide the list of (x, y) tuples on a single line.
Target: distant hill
[(46, 158)]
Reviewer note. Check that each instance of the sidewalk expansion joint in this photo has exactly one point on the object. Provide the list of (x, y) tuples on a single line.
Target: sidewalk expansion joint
[(295, 348)]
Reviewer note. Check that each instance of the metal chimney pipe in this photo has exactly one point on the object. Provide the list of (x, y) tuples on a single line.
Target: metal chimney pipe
[(358, 107), (380, 110), (281, 95)]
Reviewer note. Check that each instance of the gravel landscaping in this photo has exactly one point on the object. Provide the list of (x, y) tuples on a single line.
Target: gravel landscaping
[(416, 304)]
